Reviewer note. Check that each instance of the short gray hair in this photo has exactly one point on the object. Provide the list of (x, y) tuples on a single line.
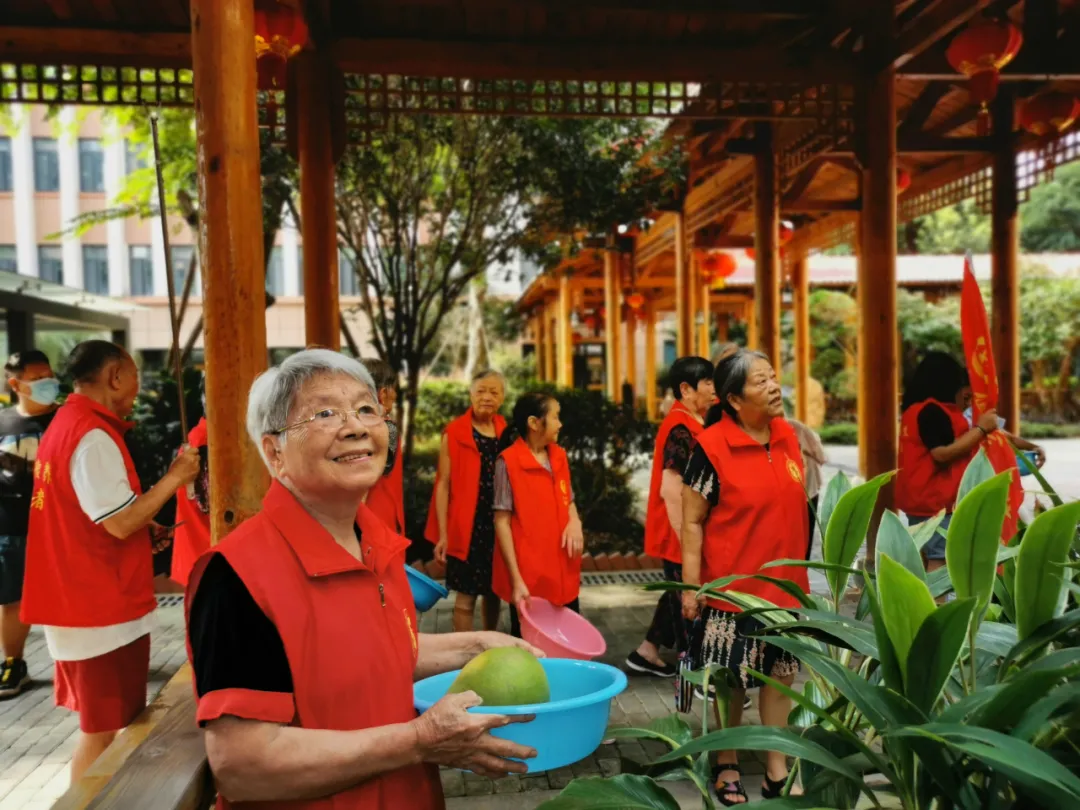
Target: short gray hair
[(484, 374), (274, 392)]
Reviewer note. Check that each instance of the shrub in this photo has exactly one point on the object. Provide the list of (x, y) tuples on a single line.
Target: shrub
[(839, 433), (438, 403), (1047, 430)]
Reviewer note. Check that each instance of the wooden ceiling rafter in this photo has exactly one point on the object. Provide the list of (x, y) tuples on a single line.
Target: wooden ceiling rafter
[(942, 18)]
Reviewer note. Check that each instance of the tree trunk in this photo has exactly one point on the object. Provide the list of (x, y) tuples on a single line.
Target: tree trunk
[(412, 390), (477, 356)]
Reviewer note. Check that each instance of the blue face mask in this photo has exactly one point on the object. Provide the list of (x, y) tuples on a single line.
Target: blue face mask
[(45, 391)]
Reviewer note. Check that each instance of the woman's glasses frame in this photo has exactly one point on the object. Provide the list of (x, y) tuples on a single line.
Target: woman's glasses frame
[(366, 415)]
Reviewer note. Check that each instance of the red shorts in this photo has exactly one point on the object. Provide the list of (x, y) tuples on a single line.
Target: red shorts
[(108, 691)]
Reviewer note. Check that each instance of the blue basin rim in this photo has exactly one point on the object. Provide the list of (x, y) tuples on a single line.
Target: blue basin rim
[(426, 580)]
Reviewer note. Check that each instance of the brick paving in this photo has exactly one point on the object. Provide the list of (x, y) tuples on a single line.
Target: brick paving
[(37, 738)]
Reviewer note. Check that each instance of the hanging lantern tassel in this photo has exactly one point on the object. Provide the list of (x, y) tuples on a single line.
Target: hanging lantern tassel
[(979, 52)]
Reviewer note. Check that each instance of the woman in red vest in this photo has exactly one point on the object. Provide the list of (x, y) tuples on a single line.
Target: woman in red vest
[(691, 380), (191, 538), (387, 497), (744, 506), (536, 519), (936, 444), (301, 627), (460, 519)]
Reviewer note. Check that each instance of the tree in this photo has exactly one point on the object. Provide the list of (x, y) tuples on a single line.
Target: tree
[(431, 201), (1050, 219)]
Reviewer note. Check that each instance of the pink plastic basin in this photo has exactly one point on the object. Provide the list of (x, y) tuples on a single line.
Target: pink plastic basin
[(559, 631)]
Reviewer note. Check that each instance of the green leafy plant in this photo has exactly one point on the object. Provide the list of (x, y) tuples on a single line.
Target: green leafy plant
[(924, 705)]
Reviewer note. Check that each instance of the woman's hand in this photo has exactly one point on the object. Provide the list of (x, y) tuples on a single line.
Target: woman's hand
[(573, 538), (489, 640), (1040, 456), (440, 551), (988, 422), (447, 734), (691, 605), (520, 593)]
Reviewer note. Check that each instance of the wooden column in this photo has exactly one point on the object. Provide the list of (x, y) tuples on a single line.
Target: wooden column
[(1005, 281), (549, 341), (723, 324), (684, 318), (878, 334), (565, 371), (611, 325), (630, 372), (749, 315), (705, 310), (318, 213), (650, 358), (230, 240), (539, 344), (800, 279), (767, 245)]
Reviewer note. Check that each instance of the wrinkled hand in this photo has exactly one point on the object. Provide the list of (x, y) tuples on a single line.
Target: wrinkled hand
[(989, 421), (489, 640), (440, 551), (691, 605), (1040, 456), (161, 537), (573, 539), (185, 467), (519, 594), (447, 734)]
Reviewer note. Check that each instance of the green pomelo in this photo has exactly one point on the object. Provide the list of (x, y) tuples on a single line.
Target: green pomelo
[(505, 676)]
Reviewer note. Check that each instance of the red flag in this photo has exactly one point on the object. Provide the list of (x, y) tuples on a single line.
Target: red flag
[(975, 330)]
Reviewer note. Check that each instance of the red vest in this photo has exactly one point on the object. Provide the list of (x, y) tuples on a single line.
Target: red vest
[(464, 486), (660, 539), (349, 632), (192, 536), (387, 498), (541, 512), (77, 574), (923, 486), (761, 515)]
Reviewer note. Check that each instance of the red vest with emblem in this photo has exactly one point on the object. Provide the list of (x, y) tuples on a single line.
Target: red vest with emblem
[(192, 535), (349, 632), (923, 486), (541, 512), (660, 539), (387, 498), (761, 514), (464, 486), (77, 574)]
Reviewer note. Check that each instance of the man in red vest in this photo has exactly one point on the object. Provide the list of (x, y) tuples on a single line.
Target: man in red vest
[(691, 380), (89, 568)]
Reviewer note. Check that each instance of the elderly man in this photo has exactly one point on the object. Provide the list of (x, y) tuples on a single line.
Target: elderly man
[(302, 630), (89, 568)]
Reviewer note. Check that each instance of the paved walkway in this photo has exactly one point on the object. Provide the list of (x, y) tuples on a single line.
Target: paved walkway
[(37, 738)]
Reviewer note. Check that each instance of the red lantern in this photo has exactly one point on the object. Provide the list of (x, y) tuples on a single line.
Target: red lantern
[(751, 254), (636, 301), (280, 33), (979, 52), (903, 180), (1049, 113)]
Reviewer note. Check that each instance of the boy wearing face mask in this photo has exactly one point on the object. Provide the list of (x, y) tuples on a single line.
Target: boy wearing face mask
[(35, 388)]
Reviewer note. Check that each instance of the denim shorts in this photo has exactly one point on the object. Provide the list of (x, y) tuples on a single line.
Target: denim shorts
[(12, 566), (935, 548)]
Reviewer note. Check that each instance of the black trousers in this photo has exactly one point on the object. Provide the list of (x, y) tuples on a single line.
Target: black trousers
[(668, 628), (811, 508), (515, 622)]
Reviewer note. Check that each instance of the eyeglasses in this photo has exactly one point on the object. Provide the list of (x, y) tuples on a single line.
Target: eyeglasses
[(333, 418)]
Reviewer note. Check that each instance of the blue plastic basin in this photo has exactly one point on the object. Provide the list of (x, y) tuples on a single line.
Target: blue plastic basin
[(425, 591), (568, 728), (1031, 456)]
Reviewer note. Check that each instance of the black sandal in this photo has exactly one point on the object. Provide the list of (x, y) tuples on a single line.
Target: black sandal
[(773, 788), (726, 791)]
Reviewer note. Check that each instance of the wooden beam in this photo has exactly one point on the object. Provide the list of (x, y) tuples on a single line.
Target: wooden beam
[(767, 245), (940, 21), (795, 206), (1004, 280), (802, 180), (95, 46), (933, 142), (922, 108), (230, 236), (583, 61), (318, 209)]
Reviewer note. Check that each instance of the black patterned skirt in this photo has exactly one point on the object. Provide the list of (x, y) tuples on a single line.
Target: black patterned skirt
[(472, 576), (723, 638)]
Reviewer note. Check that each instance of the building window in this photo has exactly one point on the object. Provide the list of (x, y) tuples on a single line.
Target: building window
[(46, 165), (348, 283), (51, 263), (96, 269), (9, 262), (6, 182), (141, 265), (91, 166), (181, 260), (133, 158), (275, 273)]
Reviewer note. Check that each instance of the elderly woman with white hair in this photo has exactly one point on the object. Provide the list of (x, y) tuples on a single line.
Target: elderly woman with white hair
[(302, 631)]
